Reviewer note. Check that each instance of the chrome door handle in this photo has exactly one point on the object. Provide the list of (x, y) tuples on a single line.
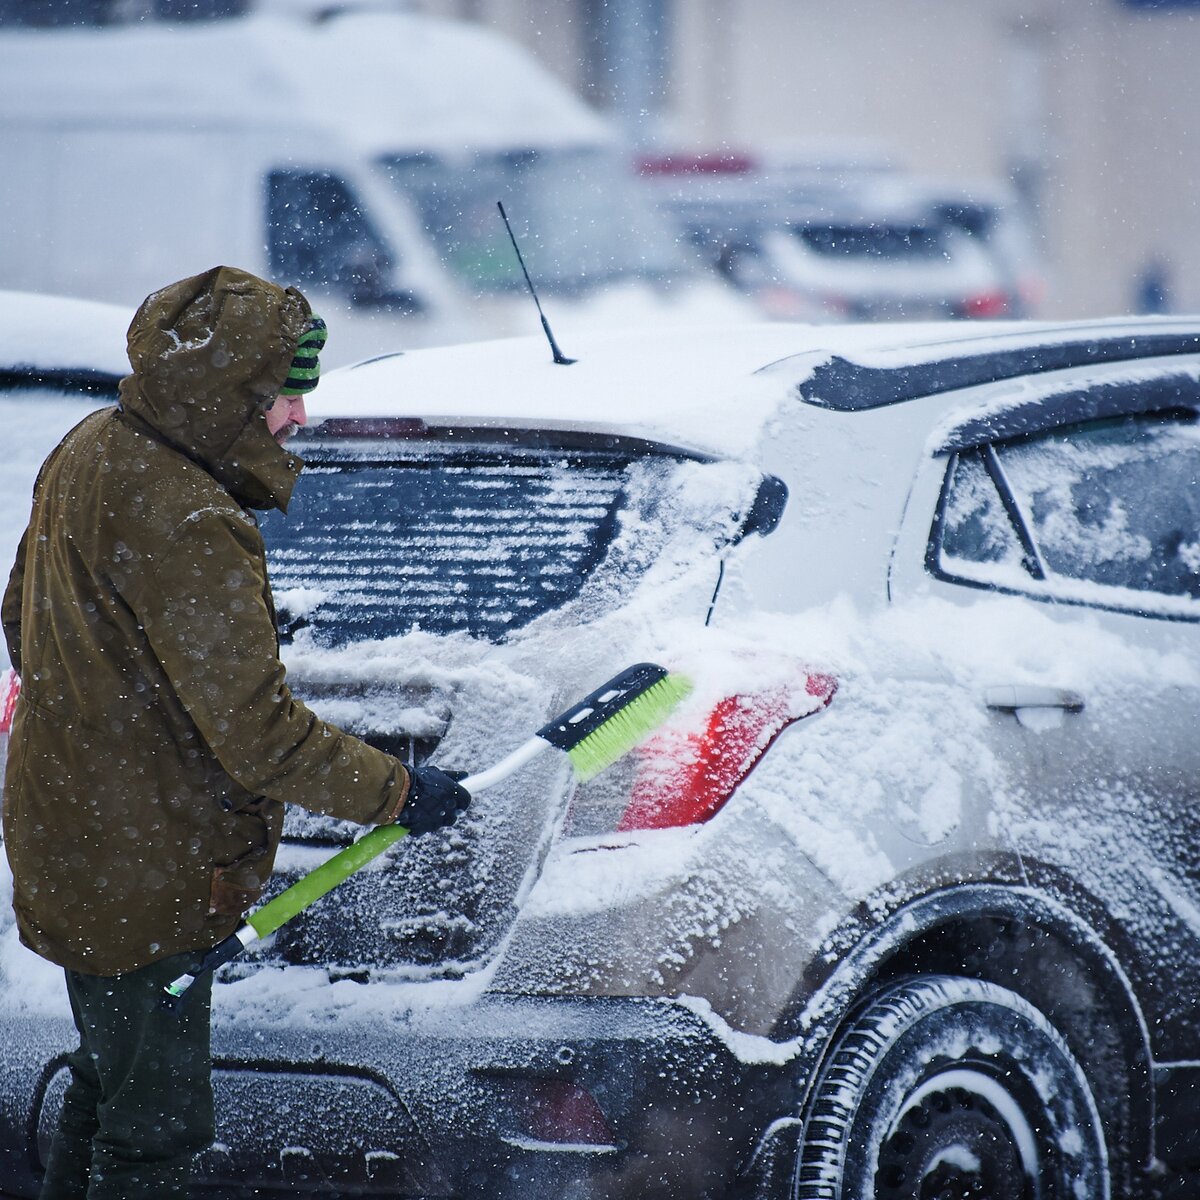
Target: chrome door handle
[(1010, 696)]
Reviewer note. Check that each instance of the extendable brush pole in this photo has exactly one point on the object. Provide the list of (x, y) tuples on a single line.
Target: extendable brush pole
[(597, 731)]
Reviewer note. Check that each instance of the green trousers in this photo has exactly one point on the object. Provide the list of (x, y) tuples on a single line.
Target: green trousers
[(138, 1106)]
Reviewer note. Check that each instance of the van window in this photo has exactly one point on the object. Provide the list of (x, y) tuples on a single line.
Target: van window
[(317, 233), (563, 204)]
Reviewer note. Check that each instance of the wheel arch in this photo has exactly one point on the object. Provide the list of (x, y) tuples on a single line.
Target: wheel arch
[(1032, 944), (988, 932)]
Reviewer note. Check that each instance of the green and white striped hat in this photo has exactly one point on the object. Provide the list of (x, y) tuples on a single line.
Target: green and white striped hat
[(306, 368)]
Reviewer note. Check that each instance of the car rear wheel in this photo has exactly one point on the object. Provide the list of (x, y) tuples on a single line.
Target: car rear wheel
[(951, 1089)]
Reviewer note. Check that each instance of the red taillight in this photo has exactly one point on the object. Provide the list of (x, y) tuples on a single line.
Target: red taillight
[(987, 304), (558, 1111), (10, 689), (685, 777)]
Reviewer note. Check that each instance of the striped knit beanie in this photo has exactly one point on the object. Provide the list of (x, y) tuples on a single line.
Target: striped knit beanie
[(306, 368)]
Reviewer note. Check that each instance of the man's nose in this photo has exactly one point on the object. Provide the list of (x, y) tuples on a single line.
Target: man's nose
[(297, 412)]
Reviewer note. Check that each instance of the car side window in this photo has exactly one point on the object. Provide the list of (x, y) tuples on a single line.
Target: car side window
[(975, 527), (1104, 512), (1114, 502)]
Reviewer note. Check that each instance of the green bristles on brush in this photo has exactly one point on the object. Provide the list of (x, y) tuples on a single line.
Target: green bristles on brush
[(629, 725)]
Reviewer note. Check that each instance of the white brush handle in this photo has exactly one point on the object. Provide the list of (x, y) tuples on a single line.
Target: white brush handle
[(511, 763), (275, 912)]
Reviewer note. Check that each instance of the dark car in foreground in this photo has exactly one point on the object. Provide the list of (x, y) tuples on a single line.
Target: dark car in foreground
[(901, 903)]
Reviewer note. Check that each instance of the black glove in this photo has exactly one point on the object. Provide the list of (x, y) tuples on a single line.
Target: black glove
[(435, 798)]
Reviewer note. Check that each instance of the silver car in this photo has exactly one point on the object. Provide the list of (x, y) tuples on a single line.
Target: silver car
[(845, 245), (903, 901)]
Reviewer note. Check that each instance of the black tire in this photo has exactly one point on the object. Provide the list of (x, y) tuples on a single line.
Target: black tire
[(951, 1089)]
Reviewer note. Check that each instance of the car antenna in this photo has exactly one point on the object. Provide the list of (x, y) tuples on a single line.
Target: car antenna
[(559, 356)]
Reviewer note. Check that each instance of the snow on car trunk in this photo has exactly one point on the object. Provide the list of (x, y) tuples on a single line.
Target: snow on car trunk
[(444, 594)]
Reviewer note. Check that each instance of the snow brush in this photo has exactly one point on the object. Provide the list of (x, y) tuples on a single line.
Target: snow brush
[(594, 734)]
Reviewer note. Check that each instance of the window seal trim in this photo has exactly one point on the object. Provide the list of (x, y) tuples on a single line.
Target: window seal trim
[(845, 385), (1117, 398), (399, 430), (1050, 597)]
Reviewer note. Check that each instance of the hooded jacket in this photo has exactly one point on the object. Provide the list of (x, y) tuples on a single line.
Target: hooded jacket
[(155, 740)]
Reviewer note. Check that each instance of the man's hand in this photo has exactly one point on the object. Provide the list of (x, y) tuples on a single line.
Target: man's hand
[(434, 800)]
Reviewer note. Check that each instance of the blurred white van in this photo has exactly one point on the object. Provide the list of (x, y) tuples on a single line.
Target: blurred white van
[(360, 157)]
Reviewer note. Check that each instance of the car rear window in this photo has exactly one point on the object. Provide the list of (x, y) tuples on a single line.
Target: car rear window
[(385, 539), (874, 241)]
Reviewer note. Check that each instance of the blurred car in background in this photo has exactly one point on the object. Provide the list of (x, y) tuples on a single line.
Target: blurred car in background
[(808, 242), (993, 214)]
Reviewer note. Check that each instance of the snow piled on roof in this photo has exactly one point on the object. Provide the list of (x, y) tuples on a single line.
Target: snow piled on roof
[(385, 82), (60, 333), (695, 386), (711, 388)]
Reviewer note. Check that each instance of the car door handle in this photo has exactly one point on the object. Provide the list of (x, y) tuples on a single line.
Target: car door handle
[(1010, 696)]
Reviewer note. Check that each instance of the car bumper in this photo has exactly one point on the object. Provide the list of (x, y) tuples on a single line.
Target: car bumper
[(504, 1096), (508, 1096)]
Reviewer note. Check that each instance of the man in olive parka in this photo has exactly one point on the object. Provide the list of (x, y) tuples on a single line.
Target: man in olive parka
[(155, 741)]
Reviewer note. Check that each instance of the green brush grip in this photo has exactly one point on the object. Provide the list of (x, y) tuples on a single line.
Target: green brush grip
[(325, 878)]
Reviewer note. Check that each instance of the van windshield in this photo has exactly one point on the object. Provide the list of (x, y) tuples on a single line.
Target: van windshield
[(576, 214)]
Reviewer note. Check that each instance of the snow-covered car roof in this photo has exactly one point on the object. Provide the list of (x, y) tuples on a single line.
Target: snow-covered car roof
[(716, 389), (63, 335), (59, 336)]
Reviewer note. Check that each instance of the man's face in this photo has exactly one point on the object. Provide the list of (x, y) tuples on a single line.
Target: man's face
[(284, 416)]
